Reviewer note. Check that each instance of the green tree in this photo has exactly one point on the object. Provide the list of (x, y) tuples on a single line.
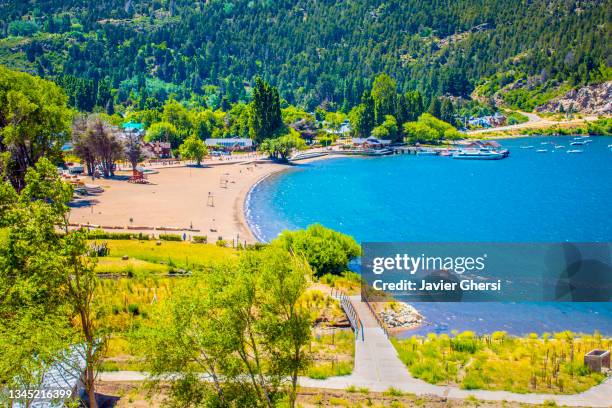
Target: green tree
[(163, 132), (81, 280), (243, 325), (34, 122), (47, 281), (282, 147), (193, 149), (326, 250), (384, 96), (334, 120), (362, 117), (435, 108), (265, 114), (429, 129), (387, 130), (176, 114), (414, 103), (447, 111)]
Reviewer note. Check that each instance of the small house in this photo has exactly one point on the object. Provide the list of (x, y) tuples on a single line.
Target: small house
[(133, 127), (481, 144), (370, 143), (230, 144), (159, 150)]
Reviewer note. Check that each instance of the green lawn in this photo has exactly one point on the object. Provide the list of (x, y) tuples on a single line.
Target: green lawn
[(116, 265), (172, 254)]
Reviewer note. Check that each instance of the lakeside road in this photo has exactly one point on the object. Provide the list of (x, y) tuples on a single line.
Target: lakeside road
[(206, 200), (535, 121)]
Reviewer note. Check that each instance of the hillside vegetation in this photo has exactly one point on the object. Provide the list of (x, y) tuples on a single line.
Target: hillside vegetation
[(315, 52)]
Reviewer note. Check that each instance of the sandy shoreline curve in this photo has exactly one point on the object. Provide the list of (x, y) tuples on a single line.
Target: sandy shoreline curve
[(186, 200)]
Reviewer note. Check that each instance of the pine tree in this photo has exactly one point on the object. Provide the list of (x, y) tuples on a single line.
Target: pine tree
[(447, 112), (435, 108), (368, 120)]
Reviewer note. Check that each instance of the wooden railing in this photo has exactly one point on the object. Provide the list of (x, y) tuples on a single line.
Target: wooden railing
[(350, 311)]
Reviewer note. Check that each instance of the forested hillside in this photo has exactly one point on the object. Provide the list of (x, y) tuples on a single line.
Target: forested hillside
[(316, 52)]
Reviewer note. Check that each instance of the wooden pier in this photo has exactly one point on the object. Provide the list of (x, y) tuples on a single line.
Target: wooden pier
[(406, 150)]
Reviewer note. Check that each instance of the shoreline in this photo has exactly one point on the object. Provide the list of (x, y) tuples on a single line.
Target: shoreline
[(210, 200), (242, 201), (185, 200)]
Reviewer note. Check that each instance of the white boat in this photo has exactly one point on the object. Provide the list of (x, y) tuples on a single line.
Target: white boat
[(526, 147), (541, 151), (559, 147), (427, 152), (575, 151), (578, 143), (478, 154)]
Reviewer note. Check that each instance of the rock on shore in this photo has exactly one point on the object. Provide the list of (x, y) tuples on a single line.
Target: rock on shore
[(400, 315)]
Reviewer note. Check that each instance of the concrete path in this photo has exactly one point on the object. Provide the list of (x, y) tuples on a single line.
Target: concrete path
[(378, 368)]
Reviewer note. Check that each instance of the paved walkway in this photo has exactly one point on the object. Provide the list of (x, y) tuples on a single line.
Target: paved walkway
[(378, 368)]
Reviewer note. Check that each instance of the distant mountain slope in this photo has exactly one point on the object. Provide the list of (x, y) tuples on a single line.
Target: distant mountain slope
[(314, 50)]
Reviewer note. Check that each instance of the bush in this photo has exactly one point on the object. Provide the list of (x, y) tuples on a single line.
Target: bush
[(326, 250), (200, 239), (101, 234), (170, 237), (100, 249), (133, 309), (143, 237), (221, 243)]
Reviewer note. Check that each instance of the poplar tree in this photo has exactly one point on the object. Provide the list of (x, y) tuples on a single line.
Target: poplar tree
[(265, 116)]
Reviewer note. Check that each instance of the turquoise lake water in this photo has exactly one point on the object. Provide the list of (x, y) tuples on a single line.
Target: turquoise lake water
[(528, 197)]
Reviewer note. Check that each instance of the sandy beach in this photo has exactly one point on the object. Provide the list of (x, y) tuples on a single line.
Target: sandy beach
[(189, 200)]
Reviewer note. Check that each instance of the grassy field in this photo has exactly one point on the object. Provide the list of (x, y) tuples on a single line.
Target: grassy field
[(333, 354), (145, 256), (552, 363), (125, 305)]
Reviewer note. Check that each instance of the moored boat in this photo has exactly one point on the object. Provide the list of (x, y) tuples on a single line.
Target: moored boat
[(541, 151), (575, 151), (427, 152), (478, 154)]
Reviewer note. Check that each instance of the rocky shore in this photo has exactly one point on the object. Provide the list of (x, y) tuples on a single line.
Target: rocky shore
[(400, 316)]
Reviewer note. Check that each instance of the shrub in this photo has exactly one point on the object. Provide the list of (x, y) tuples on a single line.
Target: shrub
[(393, 392), (170, 237), (100, 249), (200, 239), (321, 371), (221, 243), (101, 234), (133, 309), (326, 250)]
